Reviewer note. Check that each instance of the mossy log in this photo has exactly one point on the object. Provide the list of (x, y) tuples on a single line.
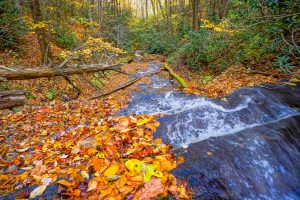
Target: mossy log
[(180, 80)]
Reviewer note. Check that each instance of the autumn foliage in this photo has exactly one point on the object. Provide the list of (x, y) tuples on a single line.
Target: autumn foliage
[(87, 152)]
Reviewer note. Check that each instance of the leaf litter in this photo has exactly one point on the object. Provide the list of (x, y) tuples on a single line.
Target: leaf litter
[(87, 151)]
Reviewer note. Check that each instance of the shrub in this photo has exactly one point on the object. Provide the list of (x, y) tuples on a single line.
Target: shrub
[(250, 46), (65, 37), (201, 47), (11, 26)]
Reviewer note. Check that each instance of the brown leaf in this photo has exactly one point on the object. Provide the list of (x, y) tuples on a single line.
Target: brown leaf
[(151, 189)]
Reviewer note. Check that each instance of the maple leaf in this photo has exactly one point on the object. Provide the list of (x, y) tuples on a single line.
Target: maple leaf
[(134, 166), (151, 171)]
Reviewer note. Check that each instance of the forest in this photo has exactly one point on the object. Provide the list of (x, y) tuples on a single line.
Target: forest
[(150, 99)]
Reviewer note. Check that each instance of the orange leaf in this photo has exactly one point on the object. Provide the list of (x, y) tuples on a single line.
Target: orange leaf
[(126, 189), (64, 183)]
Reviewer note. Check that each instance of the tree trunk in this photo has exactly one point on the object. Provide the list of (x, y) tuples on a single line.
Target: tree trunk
[(146, 9), (91, 14), (195, 23), (41, 32), (11, 99), (39, 72), (101, 18)]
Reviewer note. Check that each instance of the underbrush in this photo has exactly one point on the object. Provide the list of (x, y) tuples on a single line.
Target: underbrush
[(11, 28), (65, 37), (209, 48)]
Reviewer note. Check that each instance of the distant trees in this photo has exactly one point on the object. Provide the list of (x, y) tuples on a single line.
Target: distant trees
[(157, 26)]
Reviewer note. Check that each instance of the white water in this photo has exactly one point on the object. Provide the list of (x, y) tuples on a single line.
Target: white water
[(191, 119)]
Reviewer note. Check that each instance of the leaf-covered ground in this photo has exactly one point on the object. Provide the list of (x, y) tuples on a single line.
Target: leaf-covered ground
[(81, 149), (87, 151)]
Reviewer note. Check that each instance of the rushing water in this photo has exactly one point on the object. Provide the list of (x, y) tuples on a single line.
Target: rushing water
[(244, 146)]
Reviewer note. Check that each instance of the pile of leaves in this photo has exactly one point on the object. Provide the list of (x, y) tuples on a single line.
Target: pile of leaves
[(81, 149), (231, 79)]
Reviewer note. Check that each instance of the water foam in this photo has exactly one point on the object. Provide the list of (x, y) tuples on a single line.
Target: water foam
[(192, 118)]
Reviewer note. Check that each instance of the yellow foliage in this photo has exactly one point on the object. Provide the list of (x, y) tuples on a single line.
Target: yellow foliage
[(91, 47), (221, 27)]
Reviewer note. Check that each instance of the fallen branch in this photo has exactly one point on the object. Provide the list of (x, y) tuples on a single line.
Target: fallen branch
[(11, 99), (39, 72), (125, 85), (176, 76)]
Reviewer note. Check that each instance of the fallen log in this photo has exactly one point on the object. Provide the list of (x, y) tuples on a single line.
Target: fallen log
[(176, 76), (11, 99), (125, 85), (40, 72)]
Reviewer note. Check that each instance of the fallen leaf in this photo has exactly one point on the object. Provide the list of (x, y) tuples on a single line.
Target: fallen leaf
[(112, 170), (92, 185), (22, 150), (151, 171), (126, 189), (84, 175), (150, 190), (134, 166), (38, 191), (64, 183)]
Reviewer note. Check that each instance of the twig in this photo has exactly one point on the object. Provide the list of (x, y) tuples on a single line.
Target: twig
[(125, 85)]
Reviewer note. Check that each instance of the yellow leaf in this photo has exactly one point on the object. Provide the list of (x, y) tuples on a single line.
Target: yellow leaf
[(37, 191), (134, 166), (3, 177), (84, 175), (112, 170), (142, 121)]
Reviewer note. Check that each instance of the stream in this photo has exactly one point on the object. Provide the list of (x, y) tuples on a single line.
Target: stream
[(244, 146)]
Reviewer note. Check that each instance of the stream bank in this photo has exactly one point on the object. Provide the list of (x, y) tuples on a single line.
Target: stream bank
[(244, 146)]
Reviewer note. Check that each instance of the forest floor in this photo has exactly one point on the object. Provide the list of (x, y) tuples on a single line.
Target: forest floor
[(81, 148)]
